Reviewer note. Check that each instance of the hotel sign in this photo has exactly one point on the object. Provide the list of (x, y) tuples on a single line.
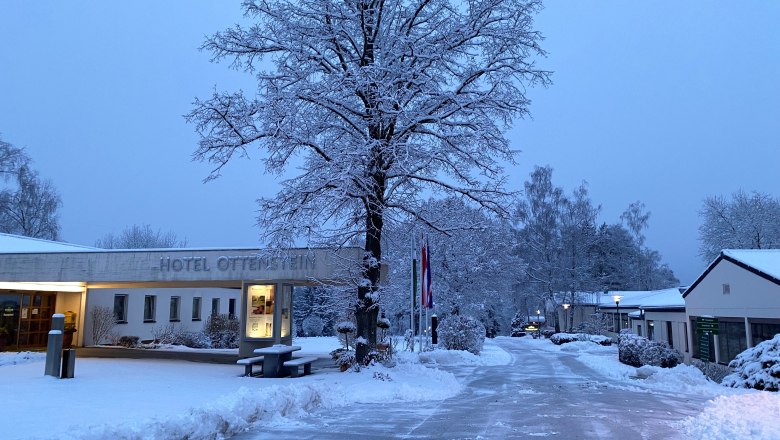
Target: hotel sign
[(242, 263)]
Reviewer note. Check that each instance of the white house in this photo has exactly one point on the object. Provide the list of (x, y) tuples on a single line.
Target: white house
[(149, 288), (741, 289)]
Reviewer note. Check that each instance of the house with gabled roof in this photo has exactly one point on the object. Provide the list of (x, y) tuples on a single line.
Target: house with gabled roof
[(741, 289)]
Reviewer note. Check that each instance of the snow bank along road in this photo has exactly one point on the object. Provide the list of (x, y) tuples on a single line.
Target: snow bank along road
[(541, 393)]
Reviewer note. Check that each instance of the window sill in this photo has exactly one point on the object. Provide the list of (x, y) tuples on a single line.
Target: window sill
[(174, 320), (121, 322), (196, 319), (152, 321)]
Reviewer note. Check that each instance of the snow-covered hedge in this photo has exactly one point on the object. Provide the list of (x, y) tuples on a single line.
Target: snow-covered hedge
[(457, 332), (638, 351), (757, 367), (564, 338)]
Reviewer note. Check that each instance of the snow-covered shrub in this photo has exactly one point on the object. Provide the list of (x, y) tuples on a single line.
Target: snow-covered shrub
[(175, 335), (757, 367), (128, 341), (714, 371), (564, 338), (638, 351), (518, 325), (222, 330), (103, 322), (457, 332), (313, 326)]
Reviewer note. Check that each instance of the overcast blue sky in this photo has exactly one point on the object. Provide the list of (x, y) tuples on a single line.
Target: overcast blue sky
[(665, 102)]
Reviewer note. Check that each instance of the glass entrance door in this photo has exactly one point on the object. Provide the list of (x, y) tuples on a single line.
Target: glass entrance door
[(35, 319)]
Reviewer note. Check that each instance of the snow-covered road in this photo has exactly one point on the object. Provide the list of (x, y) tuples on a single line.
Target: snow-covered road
[(541, 393)]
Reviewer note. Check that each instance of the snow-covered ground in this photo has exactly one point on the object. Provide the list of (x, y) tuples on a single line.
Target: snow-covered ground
[(125, 398)]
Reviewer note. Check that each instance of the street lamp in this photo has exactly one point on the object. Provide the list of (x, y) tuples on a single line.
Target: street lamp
[(617, 305), (539, 322), (565, 316)]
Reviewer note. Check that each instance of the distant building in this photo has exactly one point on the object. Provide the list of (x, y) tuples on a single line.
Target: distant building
[(741, 288)]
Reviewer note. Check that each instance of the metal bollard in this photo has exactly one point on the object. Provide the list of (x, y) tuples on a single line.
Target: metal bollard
[(54, 345), (53, 353), (68, 363)]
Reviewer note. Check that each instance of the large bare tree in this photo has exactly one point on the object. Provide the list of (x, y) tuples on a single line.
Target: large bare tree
[(28, 204), (747, 221), (375, 102)]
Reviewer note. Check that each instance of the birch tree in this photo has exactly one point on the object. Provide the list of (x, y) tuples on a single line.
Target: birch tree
[(374, 102)]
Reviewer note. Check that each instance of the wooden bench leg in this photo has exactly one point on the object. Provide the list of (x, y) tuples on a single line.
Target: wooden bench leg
[(307, 369), (294, 371), (248, 370)]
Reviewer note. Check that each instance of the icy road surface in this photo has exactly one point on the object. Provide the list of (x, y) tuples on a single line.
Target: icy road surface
[(540, 394)]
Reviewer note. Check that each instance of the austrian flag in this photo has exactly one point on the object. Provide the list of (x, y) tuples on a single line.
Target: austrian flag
[(426, 296)]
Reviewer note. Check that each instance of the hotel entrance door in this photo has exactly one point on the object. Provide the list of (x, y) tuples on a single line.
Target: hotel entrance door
[(35, 318)]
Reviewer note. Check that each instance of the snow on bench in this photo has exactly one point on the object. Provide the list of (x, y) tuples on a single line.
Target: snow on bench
[(297, 362), (248, 362)]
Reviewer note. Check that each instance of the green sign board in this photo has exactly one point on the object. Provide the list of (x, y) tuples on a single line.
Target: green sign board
[(709, 325), (704, 346)]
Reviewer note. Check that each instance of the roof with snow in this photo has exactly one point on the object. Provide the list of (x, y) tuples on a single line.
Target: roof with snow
[(10, 243), (645, 299), (762, 262)]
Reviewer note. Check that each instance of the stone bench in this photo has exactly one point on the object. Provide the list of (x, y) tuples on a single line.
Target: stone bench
[(294, 364), (248, 362)]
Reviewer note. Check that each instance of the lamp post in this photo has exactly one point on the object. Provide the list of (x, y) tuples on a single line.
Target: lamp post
[(539, 322), (617, 305), (566, 316)]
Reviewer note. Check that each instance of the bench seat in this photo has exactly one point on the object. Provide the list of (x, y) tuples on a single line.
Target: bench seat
[(294, 364), (248, 362)]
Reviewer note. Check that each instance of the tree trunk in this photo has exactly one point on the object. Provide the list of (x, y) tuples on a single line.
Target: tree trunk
[(366, 309)]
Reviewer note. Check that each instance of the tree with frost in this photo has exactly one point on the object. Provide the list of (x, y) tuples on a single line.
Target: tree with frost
[(375, 102), (747, 221), (141, 237), (474, 265), (28, 204)]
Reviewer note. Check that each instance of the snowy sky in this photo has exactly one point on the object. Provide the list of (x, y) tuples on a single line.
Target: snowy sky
[(663, 102)]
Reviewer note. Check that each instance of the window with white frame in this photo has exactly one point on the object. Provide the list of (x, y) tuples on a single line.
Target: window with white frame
[(175, 306), (150, 304), (120, 309), (214, 306), (196, 301)]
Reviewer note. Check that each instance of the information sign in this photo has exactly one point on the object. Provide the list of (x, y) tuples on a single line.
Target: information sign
[(707, 325)]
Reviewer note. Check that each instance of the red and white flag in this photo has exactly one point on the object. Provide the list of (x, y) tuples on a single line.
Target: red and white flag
[(426, 296)]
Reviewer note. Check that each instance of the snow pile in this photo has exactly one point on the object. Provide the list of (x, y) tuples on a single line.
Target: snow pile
[(754, 415), (586, 347), (682, 378), (491, 355), (757, 367), (132, 399), (22, 357)]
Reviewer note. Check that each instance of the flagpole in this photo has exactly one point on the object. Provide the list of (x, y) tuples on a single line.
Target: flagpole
[(422, 287), (414, 287)]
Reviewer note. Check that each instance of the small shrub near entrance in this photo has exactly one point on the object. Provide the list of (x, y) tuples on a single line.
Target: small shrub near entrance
[(458, 332), (222, 331), (757, 367)]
